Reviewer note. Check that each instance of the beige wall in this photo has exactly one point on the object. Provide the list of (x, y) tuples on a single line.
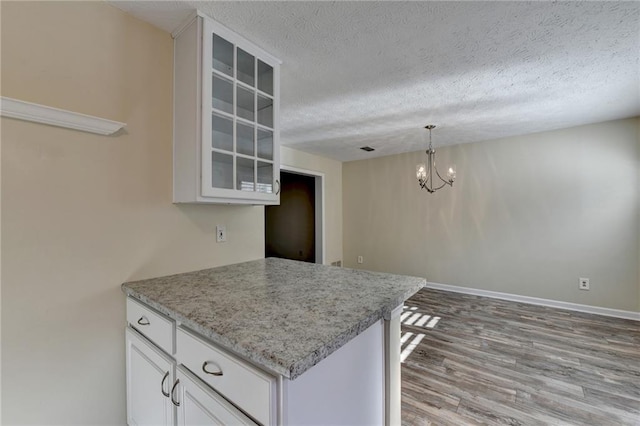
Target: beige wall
[(83, 213), (528, 215)]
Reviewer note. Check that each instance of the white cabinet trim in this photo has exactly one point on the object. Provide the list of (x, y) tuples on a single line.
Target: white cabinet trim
[(22, 110)]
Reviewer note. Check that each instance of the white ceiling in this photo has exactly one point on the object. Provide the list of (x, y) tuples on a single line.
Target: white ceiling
[(375, 73)]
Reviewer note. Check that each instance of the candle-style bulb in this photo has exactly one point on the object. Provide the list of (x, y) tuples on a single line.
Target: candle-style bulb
[(421, 171), (451, 173)]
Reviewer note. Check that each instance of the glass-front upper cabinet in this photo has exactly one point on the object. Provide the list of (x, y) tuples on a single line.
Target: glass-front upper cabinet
[(239, 135)]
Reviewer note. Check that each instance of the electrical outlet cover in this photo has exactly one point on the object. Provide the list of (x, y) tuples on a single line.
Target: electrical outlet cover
[(583, 283)]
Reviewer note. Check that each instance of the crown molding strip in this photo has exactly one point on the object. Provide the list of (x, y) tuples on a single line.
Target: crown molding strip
[(14, 108)]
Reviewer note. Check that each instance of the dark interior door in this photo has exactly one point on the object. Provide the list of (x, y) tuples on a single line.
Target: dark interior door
[(290, 227)]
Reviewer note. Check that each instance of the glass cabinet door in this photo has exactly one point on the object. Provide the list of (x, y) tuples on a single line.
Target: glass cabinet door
[(242, 120)]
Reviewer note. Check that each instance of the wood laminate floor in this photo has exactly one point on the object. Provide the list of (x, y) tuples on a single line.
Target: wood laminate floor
[(475, 360)]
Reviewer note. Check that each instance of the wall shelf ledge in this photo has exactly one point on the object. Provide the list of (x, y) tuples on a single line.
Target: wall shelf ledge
[(22, 110)]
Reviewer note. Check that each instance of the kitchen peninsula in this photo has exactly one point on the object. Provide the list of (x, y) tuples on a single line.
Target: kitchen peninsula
[(276, 342)]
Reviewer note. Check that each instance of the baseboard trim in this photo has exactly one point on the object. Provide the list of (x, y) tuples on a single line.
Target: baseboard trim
[(617, 313)]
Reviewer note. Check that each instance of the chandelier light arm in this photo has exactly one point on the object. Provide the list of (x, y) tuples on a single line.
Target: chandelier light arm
[(441, 186), (446, 181)]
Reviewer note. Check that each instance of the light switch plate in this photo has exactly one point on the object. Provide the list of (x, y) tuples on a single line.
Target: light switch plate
[(221, 234)]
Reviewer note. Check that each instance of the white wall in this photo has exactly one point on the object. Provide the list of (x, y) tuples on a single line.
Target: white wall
[(528, 215), (83, 213)]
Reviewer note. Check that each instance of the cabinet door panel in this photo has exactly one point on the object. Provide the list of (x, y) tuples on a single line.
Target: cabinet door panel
[(202, 406), (246, 67), (245, 174), (265, 111), (222, 170), (245, 135), (222, 94), (265, 177), (149, 373), (265, 144), (222, 55), (245, 106), (265, 77), (221, 133)]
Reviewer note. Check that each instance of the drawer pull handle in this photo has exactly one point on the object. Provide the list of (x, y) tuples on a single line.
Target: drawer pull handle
[(143, 320), (162, 385), (213, 373), (278, 191), (177, 404)]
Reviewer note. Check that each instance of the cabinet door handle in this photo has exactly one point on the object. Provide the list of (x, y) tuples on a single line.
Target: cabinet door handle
[(177, 404), (143, 320), (162, 384), (213, 373), (278, 191)]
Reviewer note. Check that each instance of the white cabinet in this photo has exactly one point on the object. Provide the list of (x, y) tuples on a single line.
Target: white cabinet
[(162, 391), (197, 405), (204, 384), (226, 118), (150, 375)]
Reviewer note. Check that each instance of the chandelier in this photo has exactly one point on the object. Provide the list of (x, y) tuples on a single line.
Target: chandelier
[(424, 173)]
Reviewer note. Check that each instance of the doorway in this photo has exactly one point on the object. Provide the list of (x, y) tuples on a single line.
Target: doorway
[(294, 229)]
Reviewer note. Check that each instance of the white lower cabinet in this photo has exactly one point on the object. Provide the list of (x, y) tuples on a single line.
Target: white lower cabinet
[(150, 375), (177, 377), (163, 391), (197, 405)]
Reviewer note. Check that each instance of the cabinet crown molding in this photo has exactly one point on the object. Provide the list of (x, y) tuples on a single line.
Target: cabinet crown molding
[(22, 110)]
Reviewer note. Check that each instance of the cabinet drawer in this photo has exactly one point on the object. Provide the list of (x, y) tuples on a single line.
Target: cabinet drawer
[(251, 389), (153, 325)]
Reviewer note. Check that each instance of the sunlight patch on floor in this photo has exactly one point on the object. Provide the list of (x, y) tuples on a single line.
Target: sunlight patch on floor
[(408, 340)]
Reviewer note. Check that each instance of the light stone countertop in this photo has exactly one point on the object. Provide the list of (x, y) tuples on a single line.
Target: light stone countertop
[(283, 315)]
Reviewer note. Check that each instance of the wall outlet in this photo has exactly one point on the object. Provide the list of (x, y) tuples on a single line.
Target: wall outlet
[(221, 234), (583, 284), (360, 259)]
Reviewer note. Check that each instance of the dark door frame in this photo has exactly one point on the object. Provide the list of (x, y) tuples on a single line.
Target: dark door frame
[(319, 211)]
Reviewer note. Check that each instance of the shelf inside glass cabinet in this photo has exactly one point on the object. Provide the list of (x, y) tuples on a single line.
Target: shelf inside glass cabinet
[(222, 96), (222, 55), (265, 78), (246, 67), (245, 139), (265, 144), (245, 174), (221, 132), (222, 170), (265, 111), (245, 106), (265, 177)]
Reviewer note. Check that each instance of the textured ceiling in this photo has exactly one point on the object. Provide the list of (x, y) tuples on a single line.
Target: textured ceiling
[(375, 73)]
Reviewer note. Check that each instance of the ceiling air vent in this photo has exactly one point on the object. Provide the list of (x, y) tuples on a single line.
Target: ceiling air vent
[(367, 148)]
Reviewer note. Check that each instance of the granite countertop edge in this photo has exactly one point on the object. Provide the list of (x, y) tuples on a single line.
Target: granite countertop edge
[(297, 368), (209, 333)]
